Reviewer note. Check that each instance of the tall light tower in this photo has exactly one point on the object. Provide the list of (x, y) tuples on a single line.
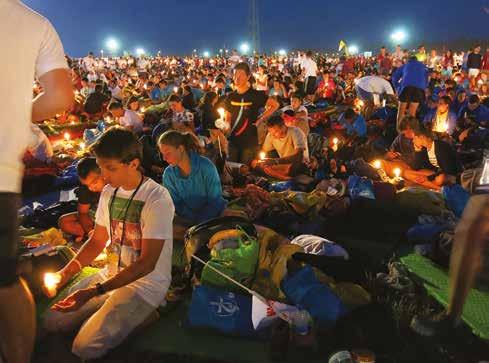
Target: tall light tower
[(254, 26)]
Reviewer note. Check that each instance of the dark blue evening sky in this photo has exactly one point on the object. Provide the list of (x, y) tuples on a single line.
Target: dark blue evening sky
[(178, 26)]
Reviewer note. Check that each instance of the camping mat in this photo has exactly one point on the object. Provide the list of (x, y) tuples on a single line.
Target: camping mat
[(45, 303), (476, 309), (170, 335)]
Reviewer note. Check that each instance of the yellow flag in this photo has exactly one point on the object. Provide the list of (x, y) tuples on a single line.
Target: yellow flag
[(341, 46)]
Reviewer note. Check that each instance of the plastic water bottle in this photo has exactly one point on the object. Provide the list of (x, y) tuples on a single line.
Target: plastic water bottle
[(301, 321)]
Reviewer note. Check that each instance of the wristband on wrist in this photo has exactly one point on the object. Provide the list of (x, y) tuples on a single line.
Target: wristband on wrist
[(100, 289)]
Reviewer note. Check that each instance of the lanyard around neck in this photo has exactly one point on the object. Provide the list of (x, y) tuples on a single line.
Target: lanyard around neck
[(126, 209)]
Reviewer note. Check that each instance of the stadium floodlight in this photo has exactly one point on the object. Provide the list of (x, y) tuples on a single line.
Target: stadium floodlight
[(282, 52), (245, 48), (207, 54), (399, 36), (112, 44), (140, 52), (353, 49)]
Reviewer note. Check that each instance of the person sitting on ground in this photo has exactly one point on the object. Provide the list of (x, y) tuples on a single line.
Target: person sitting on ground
[(191, 179), (436, 161), (208, 112), (128, 119), (474, 113), (354, 123), (181, 118), (441, 120), (135, 214), (290, 143), (402, 153), (300, 118), (96, 101), (80, 224)]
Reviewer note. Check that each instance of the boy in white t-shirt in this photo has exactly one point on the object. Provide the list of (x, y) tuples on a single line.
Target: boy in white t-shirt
[(128, 119), (136, 215)]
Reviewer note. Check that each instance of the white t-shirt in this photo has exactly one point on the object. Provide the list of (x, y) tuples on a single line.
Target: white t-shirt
[(131, 119), (150, 216), (287, 146), (432, 156), (40, 147), (310, 67), (374, 84), (30, 48)]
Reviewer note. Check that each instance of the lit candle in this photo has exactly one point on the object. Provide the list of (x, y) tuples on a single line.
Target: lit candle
[(143, 109), (335, 141), (397, 172), (82, 145), (377, 164), (275, 93), (202, 85), (67, 136), (262, 155), (221, 112), (175, 89), (51, 281), (72, 122)]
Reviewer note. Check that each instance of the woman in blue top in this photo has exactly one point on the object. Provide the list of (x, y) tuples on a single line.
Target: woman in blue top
[(191, 179)]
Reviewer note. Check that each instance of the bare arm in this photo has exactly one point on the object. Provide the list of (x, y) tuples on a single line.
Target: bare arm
[(146, 263), (271, 106), (57, 95), (84, 217)]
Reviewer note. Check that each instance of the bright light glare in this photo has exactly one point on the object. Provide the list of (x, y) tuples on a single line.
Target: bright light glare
[(399, 36), (353, 49), (207, 54), (112, 44), (282, 52), (140, 51), (245, 47)]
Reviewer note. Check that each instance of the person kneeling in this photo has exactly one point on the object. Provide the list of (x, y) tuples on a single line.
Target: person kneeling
[(291, 145), (136, 214), (436, 161)]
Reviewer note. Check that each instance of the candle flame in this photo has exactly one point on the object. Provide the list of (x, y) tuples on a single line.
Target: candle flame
[(67, 136), (397, 172), (377, 164), (51, 280), (335, 141), (221, 111), (262, 155)]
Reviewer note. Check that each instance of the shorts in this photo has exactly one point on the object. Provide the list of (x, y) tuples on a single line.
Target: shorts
[(9, 238), (411, 94)]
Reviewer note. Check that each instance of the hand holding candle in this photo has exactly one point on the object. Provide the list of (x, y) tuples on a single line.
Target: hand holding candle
[(51, 282), (397, 172), (377, 164)]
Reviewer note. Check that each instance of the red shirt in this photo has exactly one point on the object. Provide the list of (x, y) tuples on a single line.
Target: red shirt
[(327, 90)]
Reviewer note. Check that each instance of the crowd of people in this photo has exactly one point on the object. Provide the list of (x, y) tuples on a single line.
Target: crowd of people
[(187, 127)]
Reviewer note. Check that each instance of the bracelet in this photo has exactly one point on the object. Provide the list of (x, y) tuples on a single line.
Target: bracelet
[(100, 289)]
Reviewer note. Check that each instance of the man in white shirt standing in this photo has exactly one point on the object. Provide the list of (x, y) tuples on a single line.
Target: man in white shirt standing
[(310, 70), (30, 48)]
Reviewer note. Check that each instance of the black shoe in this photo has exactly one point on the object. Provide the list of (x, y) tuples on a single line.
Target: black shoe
[(434, 326)]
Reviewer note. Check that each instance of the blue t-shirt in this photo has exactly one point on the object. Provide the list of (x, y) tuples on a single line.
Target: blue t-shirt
[(197, 197)]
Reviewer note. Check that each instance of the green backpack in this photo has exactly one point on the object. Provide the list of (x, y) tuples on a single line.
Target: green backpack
[(234, 253)]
